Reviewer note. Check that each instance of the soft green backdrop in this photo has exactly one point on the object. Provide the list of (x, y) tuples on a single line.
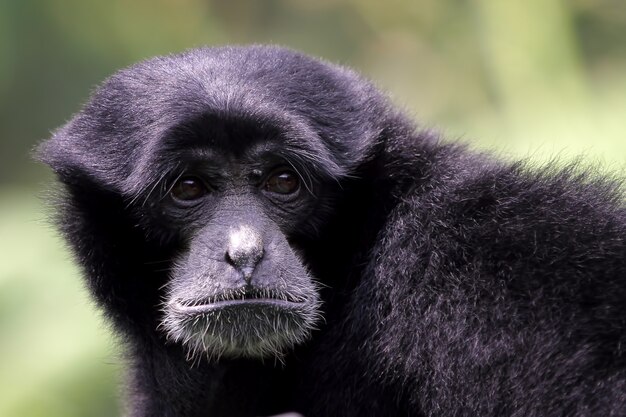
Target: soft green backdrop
[(533, 78)]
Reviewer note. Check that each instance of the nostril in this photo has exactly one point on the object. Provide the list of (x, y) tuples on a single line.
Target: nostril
[(240, 259), (245, 249), (228, 258)]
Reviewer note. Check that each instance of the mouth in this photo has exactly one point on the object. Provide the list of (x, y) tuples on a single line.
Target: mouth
[(244, 297)]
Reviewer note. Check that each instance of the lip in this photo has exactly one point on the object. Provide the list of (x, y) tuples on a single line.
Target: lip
[(251, 302)]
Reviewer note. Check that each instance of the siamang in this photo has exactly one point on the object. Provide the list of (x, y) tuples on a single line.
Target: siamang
[(267, 233)]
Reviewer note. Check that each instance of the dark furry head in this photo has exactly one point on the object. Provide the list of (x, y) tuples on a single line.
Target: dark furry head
[(223, 115), (326, 112)]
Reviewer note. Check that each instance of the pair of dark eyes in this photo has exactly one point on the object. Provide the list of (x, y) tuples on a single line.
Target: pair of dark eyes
[(190, 188)]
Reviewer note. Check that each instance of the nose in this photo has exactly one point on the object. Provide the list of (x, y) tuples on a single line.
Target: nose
[(245, 250)]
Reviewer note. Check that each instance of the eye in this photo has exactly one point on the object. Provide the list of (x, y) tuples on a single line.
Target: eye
[(188, 188), (283, 182)]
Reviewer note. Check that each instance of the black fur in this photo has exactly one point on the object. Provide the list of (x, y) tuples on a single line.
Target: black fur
[(453, 284)]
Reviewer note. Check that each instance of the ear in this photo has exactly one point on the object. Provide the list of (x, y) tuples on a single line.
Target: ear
[(115, 257), (93, 214)]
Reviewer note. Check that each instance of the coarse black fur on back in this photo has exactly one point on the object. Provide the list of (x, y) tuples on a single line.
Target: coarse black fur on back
[(452, 283)]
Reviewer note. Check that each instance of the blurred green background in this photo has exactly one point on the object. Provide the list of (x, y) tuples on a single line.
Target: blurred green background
[(533, 78)]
